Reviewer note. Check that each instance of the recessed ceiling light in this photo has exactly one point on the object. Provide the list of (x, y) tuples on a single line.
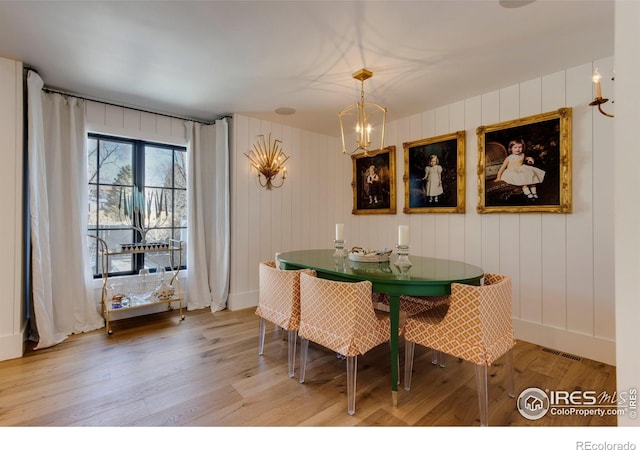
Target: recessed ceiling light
[(515, 3), (285, 111)]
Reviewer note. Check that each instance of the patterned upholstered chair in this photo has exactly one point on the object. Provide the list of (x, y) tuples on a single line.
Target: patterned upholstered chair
[(340, 316), (412, 305), (476, 326), (279, 303)]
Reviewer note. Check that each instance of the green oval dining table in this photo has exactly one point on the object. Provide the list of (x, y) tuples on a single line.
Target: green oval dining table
[(425, 277)]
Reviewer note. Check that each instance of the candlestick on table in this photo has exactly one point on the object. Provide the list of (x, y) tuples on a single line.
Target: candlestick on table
[(403, 235), (339, 232)]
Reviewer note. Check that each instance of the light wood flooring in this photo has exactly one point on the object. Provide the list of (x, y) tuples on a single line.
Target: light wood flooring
[(205, 371)]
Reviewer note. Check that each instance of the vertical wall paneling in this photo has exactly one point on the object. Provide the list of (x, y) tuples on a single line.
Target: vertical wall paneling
[(530, 268), (442, 222), (457, 221), (289, 147), (490, 238), (554, 244), (277, 132), (548, 256), (627, 210), (473, 220), (12, 319), (553, 90), (148, 122), (241, 227), (421, 226), (603, 208), (114, 117), (255, 237), (95, 112), (131, 118), (508, 248), (530, 101), (580, 239)]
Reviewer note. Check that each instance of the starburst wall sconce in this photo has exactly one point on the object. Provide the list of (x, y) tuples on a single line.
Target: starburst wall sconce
[(269, 160)]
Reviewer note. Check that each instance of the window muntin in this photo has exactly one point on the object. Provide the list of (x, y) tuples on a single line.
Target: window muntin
[(118, 166)]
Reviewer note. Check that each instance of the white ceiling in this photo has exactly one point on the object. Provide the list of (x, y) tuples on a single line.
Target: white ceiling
[(206, 59)]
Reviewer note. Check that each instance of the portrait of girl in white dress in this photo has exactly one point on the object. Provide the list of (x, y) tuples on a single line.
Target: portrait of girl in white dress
[(433, 179), (519, 170)]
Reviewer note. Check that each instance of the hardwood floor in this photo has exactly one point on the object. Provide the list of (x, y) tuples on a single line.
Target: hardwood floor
[(205, 371)]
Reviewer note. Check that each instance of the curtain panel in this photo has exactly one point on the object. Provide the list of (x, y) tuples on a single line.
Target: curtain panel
[(62, 296), (209, 225)]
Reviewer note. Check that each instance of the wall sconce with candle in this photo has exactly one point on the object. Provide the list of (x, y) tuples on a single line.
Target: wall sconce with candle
[(268, 159), (598, 101)]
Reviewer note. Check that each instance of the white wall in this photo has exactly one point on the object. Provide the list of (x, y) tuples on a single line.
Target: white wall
[(627, 207), (12, 305), (562, 265)]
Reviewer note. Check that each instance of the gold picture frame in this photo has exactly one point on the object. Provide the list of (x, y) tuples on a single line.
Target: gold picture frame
[(539, 181), (434, 180), (374, 189)]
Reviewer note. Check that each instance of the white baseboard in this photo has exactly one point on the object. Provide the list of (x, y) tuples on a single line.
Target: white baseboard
[(13, 346), (591, 347), (242, 300)]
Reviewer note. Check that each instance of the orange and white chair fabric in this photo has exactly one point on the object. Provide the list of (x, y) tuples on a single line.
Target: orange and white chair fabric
[(476, 326), (279, 303), (412, 305), (340, 316)]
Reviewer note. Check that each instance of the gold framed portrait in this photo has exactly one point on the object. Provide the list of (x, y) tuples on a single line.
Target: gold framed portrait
[(374, 182), (434, 180), (524, 165)]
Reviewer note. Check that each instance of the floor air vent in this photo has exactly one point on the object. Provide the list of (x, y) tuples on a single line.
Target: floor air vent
[(563, 354)]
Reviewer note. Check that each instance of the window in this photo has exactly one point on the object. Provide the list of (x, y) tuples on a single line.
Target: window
[(126, 172)]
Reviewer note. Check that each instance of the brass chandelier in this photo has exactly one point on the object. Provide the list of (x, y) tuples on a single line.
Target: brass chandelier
[(365, 119)]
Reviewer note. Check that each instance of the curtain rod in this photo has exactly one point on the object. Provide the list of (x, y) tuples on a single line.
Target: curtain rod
[(68, 94)]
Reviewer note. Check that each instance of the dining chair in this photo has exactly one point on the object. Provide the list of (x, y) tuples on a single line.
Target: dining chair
[(411, 305), (475, 326), (340, 316), (279, 303)]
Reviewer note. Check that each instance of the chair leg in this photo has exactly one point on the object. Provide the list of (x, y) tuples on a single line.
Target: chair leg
[(438, 357), (352, 369), (293, 337), (509, 367), (483, 394), (409, 349), (304, 349), (442, 359), (263, 326)]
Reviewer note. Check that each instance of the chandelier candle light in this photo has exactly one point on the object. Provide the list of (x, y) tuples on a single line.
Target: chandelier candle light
[(268, 160), (368, 117)]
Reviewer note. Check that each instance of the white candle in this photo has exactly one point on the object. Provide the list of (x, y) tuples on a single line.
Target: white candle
[(596, 79), (339, 232), (403, 235)]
